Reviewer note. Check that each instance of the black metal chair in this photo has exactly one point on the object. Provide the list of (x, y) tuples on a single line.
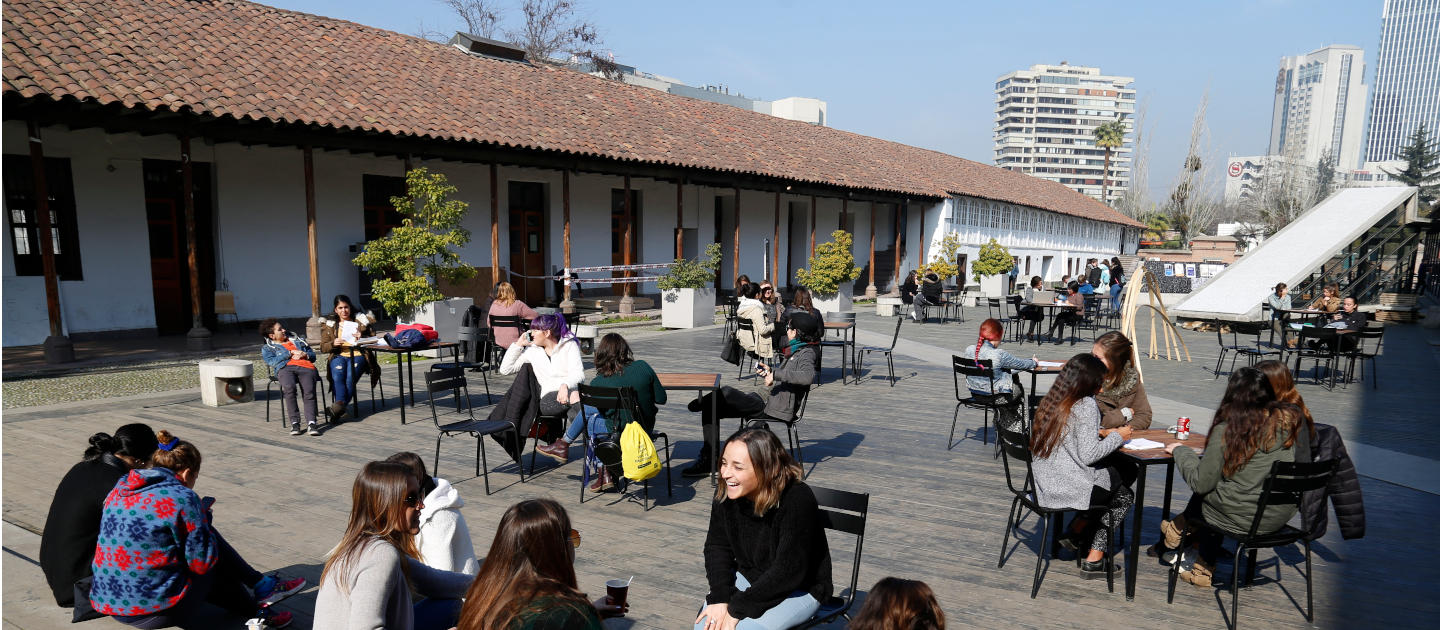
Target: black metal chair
[(1360, 353), (888, 351), (844, 512), (520, 325), (731, 305), (1013, 318), (1015, 445), (1250, 349), (1091, 318), (616, 403), (477, 352), (1318, 344), (943, 306), (792, 428), (992, 402), (274, 382), (453, 380), (749, 358), (999, 310), (1285, 485)]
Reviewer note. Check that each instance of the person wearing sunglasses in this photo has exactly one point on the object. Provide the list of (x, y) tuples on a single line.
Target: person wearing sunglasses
[(771, 301), (528, 579), (370, 575)]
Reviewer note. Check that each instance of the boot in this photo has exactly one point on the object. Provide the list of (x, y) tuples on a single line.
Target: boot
[(559, 450), (602, 481), (337, 410), (1173, 531)]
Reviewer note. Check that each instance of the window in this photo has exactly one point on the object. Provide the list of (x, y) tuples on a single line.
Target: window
[(19, 180), (380, 214)]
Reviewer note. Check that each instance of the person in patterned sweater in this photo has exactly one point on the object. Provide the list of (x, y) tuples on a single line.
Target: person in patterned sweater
[(158, 558)]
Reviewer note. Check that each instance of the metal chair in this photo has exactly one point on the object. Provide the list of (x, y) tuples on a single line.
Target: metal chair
[(731, 305), (745, 327), (1252, 351), (1319, 344), (453, 380), (998, 310), (888, 351), (1285, 485), (792, 429), (1361, 354), (844, 512), (964, 368), (506, 321), (1015, 445), (274, 381), (616, 403), (477, 349)]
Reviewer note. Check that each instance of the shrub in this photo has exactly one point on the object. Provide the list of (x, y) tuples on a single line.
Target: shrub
[(943, 263), (831, 265), (692, 274), (993, 259), (407, 261)]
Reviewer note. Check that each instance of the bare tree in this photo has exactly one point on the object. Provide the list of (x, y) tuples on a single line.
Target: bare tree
[(481, 17), (1283, 190), (1191, 209), (552, 28), (1134, 202)]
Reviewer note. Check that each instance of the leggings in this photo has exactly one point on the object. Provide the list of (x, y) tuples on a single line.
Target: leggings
[(1118, 502)]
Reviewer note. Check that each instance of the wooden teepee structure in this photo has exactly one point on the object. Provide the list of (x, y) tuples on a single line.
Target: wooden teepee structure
[(1143, 281)]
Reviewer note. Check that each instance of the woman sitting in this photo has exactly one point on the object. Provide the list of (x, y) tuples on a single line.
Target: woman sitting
[(1002, 363), (799, 303), (1122, 398), (505, 305), (1068, 316), (158, 558), (770, 300), (67, 544), (293, 363), (1252, 429), (444, 538), (795, 374), (528, 581), (754, 311), (339, 333), (550, 353), (370, 575), (766, 558), (909, 288), (1329, 300), (896, 604), (932, 292), (1033, 314), (615, 366), (1065, 452)]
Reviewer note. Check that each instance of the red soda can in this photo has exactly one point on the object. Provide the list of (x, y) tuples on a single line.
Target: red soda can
[(1184, 431)]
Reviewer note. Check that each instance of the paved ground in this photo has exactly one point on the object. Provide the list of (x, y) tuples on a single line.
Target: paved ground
[(936, 513)]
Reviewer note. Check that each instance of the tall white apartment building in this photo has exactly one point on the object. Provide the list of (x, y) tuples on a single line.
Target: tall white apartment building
[(1045, 120), (1407, 76), (1320, 107)]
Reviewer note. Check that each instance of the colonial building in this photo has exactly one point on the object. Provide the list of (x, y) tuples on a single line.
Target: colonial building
[(190, 147)]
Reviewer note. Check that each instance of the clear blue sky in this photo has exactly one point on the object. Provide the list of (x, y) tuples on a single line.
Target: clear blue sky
[(923, 73)]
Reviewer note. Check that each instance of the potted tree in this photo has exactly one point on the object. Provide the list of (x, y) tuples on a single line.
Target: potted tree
[(991, 267), (831, 274), (685, 300), (407, 261), (943, 264)]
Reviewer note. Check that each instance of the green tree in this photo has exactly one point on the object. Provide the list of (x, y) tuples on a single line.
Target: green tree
[(1422, 164), (1109, 136), (993, 259), (943, 262), (409, 259), (1324, 177), (831, 265), (692, 274)]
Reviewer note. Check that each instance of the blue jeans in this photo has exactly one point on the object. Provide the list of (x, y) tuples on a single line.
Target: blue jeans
[(345, 372), (587, 414), (1115, 297), (795, 610)]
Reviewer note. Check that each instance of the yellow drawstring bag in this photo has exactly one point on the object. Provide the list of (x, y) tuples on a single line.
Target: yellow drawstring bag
[(637, 453)]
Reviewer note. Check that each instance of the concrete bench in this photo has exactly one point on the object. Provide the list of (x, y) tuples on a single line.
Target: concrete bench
[(888, 306), (585, 334)]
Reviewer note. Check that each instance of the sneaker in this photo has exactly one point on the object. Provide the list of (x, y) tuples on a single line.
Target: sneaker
[(1092, 570), (295, 429), (271, 589), (314, 429), (267, 618)]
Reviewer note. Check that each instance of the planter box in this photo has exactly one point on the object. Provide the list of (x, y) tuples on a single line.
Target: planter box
[(445, 317), (836, 302), (994, 286), (687, 308), (888, 306)]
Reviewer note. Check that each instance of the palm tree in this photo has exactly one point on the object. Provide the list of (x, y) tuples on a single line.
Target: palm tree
[(1109, 136)]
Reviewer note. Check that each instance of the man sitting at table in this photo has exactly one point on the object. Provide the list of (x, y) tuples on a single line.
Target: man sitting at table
[(1349, 318), (794, 375)]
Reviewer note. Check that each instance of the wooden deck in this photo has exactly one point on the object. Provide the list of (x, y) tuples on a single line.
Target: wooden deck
[(936, 515)]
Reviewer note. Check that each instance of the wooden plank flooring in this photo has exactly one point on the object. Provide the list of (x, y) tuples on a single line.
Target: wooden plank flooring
[(937, 515)]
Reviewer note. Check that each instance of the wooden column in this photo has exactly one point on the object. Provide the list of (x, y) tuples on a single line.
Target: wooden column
[(899, 208), (812, 225), (735, 259), (627, 299), (680, 219), (312, 238), (922, 236), (775, 248), (58, 348), (199, 337), (870, 291), (566, 304), (494, 224)]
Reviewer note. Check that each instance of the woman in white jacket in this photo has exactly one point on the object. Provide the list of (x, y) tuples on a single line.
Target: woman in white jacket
[(444, 539), (553, 354), (753, 310)]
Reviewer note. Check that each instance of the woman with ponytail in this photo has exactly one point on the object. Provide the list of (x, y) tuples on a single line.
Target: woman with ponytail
[(987, 347), (68, 544)]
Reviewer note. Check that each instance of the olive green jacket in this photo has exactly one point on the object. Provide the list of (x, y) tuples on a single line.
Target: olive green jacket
[(1230, 503)]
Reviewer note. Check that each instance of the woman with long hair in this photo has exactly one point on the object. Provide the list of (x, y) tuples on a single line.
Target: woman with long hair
[(158, 557), (615, 366), (370, 574), (444, 538), (528, 580), (1279, 303), (766, 558), (551, 353), (1003, 364), (800, 302), (1252, 429), (910, 287), (740, 282), (751, 309), (1329, 300), (67, 545), (340, 331), (770, 299), (505, 305), (1064, 451), (1283, 384), (1067, 316), (1030, 313), (896, 604), (1122, 396)]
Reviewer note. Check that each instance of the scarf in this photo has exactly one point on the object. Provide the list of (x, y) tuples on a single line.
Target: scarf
[(794, 346), (1128, 380)]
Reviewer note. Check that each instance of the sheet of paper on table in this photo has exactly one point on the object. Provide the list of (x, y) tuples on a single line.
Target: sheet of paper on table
[(1142, 444), (1050, 363), (370, 340)]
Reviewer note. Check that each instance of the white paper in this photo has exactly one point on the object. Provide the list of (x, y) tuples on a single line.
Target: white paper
[(349, 331), (1142, 444), (1049, 363), (368, 340)]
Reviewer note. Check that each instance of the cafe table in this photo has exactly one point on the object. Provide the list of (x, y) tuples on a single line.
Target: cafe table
[(1051, 308), (847, 339), (407, 361), (701, 382), (1144, 459)]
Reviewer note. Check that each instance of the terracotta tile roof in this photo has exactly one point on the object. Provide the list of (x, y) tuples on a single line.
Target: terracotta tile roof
[(227, 58)]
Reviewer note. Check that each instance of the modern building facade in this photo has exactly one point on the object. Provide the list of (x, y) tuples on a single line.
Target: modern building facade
[(1407, 76), (803, 109), (1319, 107), (1045, 120)]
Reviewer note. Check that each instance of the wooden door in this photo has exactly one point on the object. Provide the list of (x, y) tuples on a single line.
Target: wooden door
[(169, 259), (169, 282), (617, 231), (527, 241)]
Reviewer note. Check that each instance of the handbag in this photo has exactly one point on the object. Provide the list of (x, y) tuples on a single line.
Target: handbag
[(608, 451), (731, 353), (84, 611)]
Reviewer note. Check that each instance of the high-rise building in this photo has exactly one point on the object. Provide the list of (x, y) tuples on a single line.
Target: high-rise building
[(1320, 107), (1407, 76), (1045, 120)]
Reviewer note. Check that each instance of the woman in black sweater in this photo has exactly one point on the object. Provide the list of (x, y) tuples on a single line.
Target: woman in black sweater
[(766, 558), (68, 544)]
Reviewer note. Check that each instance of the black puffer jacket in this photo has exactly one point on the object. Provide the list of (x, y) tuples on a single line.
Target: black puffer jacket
[(1343, 491)]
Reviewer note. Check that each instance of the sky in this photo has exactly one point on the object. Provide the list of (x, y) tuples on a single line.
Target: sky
[(923, 72)]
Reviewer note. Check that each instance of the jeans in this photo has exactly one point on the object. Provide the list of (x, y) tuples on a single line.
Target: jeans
[(224, 585), (587, 414), (792, 612), (1115, 296), (290, 376), (436, 614), (345, 372)]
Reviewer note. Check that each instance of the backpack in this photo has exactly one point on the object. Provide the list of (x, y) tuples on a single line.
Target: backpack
[(637, 453), (406, 339)]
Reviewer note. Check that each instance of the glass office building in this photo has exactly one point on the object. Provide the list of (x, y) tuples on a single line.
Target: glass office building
[(1407, 76)]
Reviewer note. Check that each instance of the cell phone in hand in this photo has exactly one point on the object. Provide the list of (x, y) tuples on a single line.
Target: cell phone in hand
[(207, 502)]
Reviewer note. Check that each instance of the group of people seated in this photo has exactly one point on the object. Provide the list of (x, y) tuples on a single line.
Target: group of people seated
[(1335, 312), (291, 360)]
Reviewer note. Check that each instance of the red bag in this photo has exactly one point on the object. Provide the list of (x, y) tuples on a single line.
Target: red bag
[(428, 331)]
